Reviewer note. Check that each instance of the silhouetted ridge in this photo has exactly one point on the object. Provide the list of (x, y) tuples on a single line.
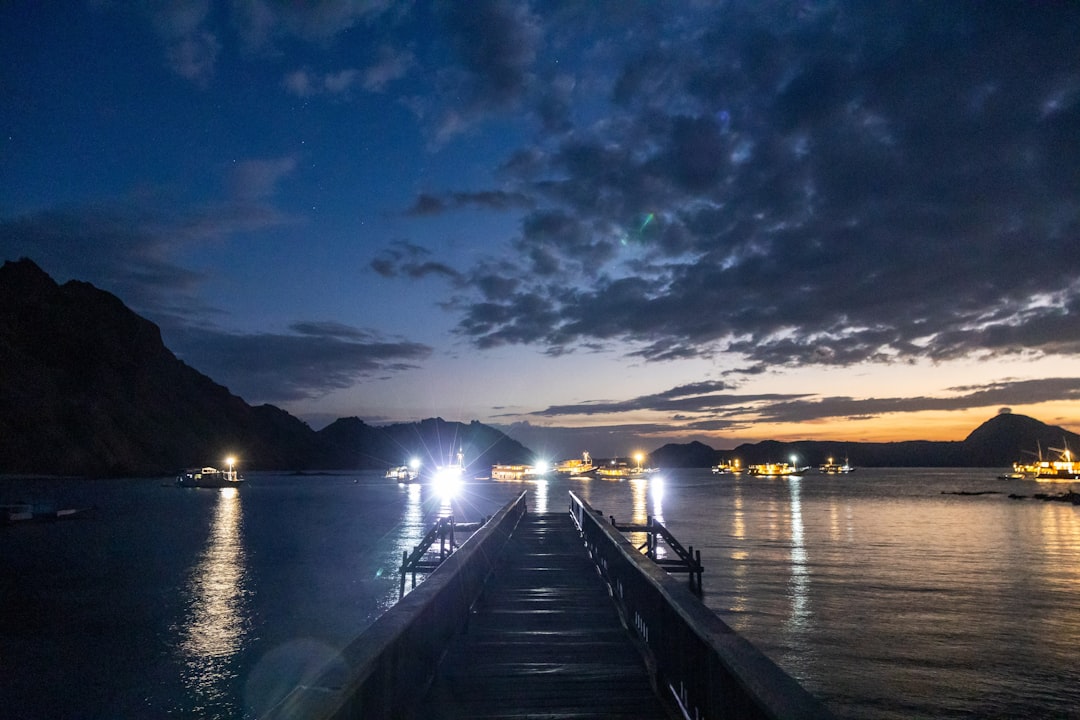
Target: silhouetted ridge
[(89, 388), (1008, 437)]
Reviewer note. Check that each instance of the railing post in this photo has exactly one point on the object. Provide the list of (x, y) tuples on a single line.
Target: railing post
[(404, 564)]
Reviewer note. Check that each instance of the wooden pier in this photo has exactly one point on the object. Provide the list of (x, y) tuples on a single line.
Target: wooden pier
[(550, 616), (543, 640)]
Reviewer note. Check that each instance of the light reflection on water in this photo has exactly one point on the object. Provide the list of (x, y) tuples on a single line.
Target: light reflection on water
[(540, 497), (216, 614), (800, 573)]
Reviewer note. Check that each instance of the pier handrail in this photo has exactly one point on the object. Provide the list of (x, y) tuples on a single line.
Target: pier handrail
[(418, 561), (709, 669), (383, 672), (686, 560)]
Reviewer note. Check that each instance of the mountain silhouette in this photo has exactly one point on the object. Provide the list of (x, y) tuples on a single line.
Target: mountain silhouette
[(89, 388)]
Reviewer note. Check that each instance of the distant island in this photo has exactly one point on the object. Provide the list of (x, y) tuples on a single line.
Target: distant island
[(998, 442), (89, 389)]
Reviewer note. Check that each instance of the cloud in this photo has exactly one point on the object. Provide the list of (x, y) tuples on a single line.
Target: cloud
[(304, 83), (260, 23), (191, 48), (315, 358), (392, 64), (495, 42), (409, 260), (427, 204), (256, 179), (710, 407), (192, 35), (810, 189)]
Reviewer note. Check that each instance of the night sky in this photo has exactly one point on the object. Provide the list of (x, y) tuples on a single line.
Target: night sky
[(600, 225)]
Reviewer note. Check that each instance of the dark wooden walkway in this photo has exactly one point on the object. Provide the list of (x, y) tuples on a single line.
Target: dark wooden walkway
[(544, 640)]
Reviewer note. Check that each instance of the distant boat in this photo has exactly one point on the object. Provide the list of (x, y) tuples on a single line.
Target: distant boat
[(622, 471), (1065, 468), (208, 477), (513, 473), (832, 468), (403, 473), (727, 468), (584, 466), (616, 472), (775, 469), (39, 512), (509, 472)]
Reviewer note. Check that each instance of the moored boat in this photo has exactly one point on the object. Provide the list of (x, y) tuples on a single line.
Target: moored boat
[(775, 469), (727, 468), (584, 466), (833, 468), (508, 472), (209, 477), (540, 471), (404, 473), (1064, 468), (40, 512), (618, 470)]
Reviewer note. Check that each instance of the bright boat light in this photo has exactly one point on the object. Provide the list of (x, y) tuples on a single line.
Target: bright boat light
[(414, 464), (656, 487), (447, 481)]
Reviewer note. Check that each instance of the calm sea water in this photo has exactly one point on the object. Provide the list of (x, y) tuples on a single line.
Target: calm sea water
[(884, 596)]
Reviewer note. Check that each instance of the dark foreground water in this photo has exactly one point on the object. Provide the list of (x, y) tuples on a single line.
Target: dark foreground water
[(885, 597)]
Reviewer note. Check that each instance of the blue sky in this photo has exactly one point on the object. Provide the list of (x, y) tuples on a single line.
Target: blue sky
[(601, 225)]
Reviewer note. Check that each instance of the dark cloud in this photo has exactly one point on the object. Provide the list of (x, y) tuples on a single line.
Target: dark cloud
[(708, 407), (496, 42), (409, 260), (1012, 392), (825, 186), (427, 204), (313, 360)]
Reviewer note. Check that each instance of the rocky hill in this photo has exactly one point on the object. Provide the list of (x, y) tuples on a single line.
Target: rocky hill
[(434, 442), (88, 388)]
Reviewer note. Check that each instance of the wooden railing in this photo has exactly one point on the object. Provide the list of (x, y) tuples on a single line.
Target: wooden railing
[(423, 559), (382, 673), (709, 670), (686, 560)]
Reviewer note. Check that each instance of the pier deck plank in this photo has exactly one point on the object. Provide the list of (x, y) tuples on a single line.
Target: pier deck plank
[(543, 641)]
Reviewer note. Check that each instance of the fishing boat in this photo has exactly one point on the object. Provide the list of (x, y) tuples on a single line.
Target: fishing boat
[(832, 468), (208, 477), (1064, 468), (619, 471), (404, 473), (775, 469), (509, 473), (538, 471), (623, 471), (584, 466)]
